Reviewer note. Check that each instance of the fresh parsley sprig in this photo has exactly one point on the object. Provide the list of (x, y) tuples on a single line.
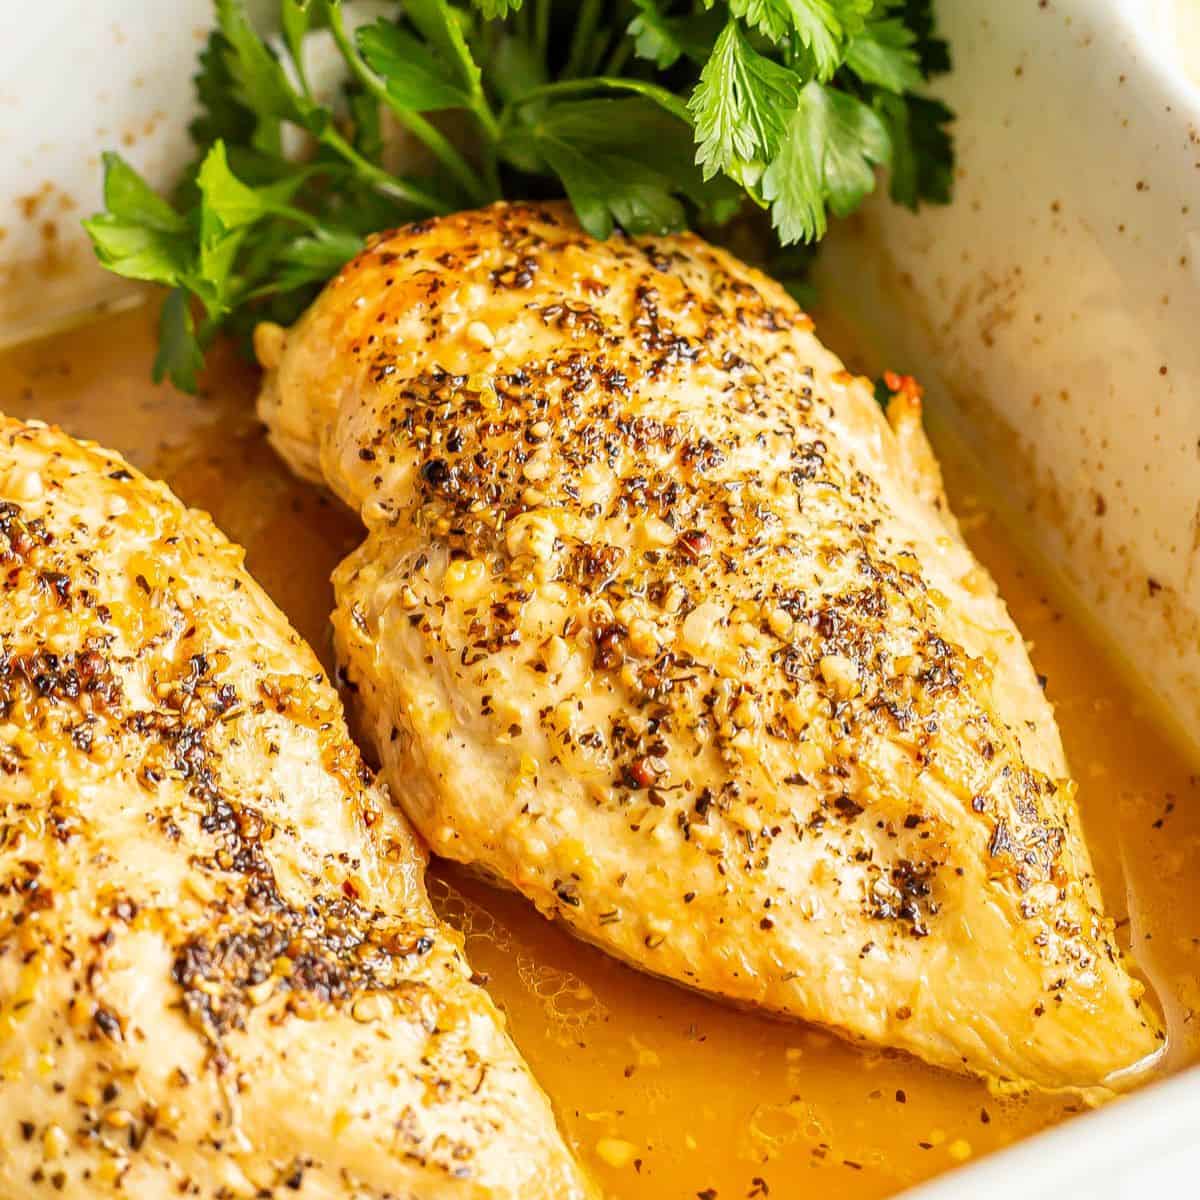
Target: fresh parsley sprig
[(649, 114)]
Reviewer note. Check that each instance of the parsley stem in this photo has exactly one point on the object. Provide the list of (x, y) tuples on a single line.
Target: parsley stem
[(483, 111), (414, 122), (491, 170), (489, 145), (618, 57), (566, 87), (296, 54), (296, 214), (582, 38), (542, 28), (442, 147), (384, 180)]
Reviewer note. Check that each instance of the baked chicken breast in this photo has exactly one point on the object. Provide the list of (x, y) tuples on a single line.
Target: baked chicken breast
[(660, 621), (220, 975)]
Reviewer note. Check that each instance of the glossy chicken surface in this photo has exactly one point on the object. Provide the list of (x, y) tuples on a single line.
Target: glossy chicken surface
[(660, 621), (220, 975)]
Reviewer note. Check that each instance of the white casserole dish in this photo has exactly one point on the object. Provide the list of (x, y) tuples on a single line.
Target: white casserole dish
[(1052, 313)]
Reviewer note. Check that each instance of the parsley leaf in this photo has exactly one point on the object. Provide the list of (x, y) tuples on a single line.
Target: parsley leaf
[(222, 114), (228, 207), (833, 143), (885, 54), (771, 18), (492, 10), (313, 258), (655, 35), (820, 27), (623, 162), (130, 198), (180, 357), (922, 149), (663, 39), (607, 191), (139, 235), (740, 105), (259, 81), (137, 251), (932, 51), (227, 202), (413, 76), (855, 141), (441, 26)]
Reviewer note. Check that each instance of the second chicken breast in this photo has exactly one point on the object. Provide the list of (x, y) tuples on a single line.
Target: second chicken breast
[(661, 622), (220, 973)]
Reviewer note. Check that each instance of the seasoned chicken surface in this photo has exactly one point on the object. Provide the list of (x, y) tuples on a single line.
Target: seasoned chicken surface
[(220, 975), (659, 620)]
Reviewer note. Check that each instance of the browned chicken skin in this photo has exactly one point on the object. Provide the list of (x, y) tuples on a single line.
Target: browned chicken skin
[(659, 620), (220, 975)]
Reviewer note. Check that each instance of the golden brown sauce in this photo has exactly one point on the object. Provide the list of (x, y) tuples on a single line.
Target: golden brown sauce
[(664, 1093)]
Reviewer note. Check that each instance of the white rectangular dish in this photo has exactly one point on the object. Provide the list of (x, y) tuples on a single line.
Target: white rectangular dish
[(1051, 312)]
